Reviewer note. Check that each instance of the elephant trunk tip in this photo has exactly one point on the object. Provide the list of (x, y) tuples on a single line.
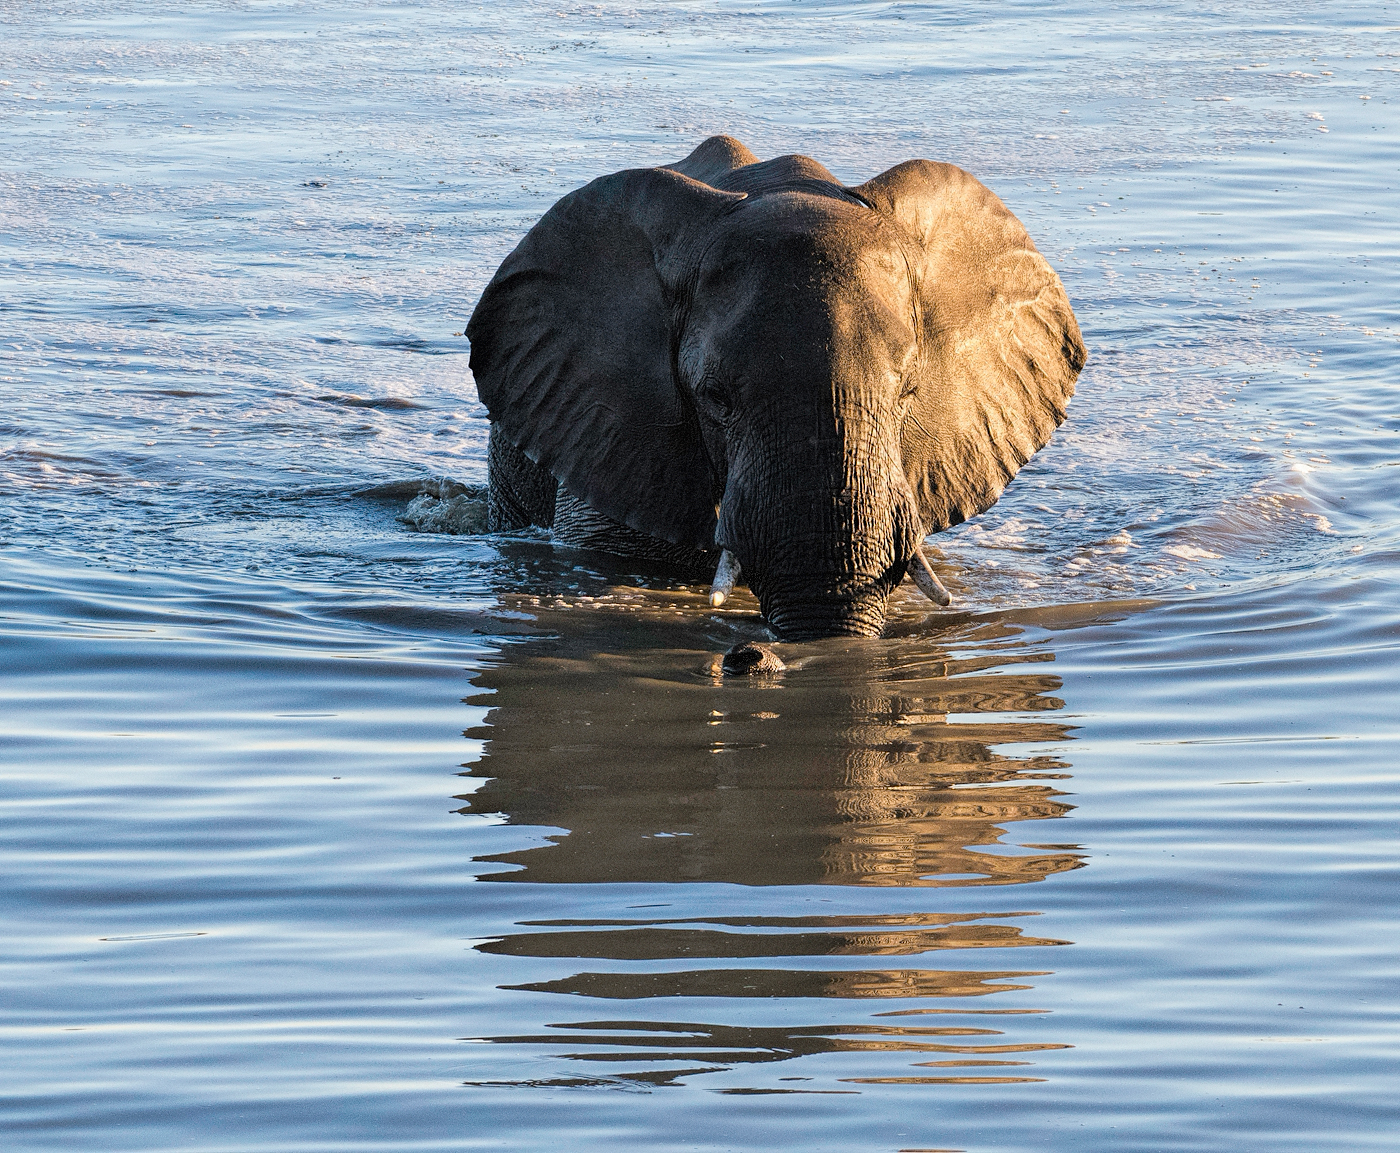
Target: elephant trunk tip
[(750, 658)]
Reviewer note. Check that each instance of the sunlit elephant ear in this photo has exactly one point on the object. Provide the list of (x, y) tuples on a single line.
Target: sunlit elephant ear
[(1001, 345), (572, 350)]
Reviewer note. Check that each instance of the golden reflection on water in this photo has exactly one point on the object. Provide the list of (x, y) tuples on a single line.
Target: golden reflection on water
[(847, 771), (869, 763)]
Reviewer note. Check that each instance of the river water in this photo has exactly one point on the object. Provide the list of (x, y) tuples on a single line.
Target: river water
[(323, 834)]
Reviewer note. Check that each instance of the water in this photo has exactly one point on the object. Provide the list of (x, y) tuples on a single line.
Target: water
[(324, 834)]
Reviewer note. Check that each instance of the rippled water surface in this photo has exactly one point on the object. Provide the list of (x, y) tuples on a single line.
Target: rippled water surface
[(320, 833)]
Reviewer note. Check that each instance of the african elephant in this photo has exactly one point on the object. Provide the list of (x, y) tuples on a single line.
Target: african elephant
[(728, 356)]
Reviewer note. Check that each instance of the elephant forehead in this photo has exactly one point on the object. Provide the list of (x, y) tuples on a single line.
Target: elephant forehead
[(829, 348), (793, 245)]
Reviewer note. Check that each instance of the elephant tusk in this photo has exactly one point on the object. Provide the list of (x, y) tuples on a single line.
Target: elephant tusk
[(725, 576), (927, 579)]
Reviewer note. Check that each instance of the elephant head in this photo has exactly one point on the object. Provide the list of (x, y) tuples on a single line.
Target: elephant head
[(750, 355)]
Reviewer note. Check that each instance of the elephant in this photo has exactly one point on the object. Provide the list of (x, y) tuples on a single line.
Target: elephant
[(749, 368)]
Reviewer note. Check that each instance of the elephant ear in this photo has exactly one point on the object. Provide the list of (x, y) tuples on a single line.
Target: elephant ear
[(1001, 347), (572, 350)]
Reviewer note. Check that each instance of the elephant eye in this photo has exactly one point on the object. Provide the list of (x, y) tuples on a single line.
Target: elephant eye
[(908, 388), (714, 398)]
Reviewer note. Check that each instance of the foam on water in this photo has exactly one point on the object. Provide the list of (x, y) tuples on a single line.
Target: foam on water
[(321, 832)]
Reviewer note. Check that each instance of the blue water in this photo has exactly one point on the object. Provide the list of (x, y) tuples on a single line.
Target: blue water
[(320, 833)]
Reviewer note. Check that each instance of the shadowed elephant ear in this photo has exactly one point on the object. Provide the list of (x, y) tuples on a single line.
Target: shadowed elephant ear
[(572, 350), (1001, 345)]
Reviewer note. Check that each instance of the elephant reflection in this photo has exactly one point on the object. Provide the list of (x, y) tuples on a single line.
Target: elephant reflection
[(862, 767)]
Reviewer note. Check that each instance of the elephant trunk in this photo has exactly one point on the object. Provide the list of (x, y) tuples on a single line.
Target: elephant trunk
[(822, 547), (813, 618)]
